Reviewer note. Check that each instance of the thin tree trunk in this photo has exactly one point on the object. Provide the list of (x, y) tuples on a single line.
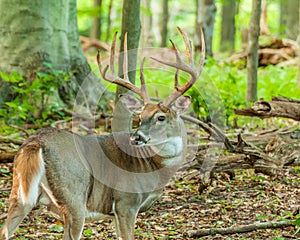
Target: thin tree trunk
[(292, 19), (164, 24), (132, 26), (206, 13), (252, 57), (96, 25), (264, 29), (228, 25), (146, 19), (283, 16), (109, 20)]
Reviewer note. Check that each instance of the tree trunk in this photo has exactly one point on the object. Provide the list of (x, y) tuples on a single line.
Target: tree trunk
[(33, 32), (206, 13), (292, 19), (132, 26), (146, 18), (164, 24), (264, 28), (228, 25), (108, 20), (96, 25), (252, 57), (283, 16)]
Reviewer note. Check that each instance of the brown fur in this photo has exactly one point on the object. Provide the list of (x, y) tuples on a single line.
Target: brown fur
[(27, 165)]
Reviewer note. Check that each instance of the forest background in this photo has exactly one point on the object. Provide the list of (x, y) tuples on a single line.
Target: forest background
[(36, 93)]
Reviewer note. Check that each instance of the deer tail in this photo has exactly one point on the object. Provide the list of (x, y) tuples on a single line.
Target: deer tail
[(28, 171)]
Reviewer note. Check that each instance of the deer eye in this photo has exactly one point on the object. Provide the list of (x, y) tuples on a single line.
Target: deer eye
[(161, 118)]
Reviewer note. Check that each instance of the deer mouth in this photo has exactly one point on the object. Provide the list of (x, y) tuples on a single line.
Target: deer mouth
[(138, 138)]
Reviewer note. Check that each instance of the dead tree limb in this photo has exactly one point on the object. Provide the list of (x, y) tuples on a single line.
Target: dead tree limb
[(241, 229), (91, 42), (243, 155), (10, 140), (278, 107), (7, 157)]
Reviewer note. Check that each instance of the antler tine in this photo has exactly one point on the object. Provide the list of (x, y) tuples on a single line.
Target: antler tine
[(112, 54), (188, 46), (181, 65), (125, 59), (124, 82)]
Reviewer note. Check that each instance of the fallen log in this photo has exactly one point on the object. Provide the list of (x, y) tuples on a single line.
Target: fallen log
[(241, 229), (278, 107)]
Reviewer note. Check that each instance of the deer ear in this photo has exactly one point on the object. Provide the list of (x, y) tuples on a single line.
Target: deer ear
[(181, 104), (133, 104)]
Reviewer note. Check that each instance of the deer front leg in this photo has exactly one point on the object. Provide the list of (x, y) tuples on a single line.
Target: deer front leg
[(126, 209)]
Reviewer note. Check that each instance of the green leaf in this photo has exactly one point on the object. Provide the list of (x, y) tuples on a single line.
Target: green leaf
[(5, 76)]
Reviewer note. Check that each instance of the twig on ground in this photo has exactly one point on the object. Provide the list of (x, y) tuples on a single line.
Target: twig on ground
[(10, 140), (241, 229)]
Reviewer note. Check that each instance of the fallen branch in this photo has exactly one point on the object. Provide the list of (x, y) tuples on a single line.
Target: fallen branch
[(10, 140), (3, 216), (7, 157), (278, 107), (90, 42), (241, 229)]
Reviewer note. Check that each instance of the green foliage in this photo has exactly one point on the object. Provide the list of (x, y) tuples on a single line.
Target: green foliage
[(88, 233), (220, 89), (34, 99), (229, 82)]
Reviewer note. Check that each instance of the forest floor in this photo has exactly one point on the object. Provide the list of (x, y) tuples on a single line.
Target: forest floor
[(248, 198)]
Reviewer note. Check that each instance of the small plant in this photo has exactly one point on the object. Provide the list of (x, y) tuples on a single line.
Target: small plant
[(88, 233), (34, 99)]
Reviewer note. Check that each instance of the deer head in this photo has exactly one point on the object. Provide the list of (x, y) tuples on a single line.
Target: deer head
[(156, 119)]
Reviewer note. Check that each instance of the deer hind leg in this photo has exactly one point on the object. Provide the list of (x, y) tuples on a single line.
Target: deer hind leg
[(28, 171), (74, 218), (16, 213), (18, 209)]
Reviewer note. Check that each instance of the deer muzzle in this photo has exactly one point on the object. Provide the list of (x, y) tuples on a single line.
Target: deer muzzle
[(139, 138)]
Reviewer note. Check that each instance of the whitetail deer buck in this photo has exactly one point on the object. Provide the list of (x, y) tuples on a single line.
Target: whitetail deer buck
[(89, 178)]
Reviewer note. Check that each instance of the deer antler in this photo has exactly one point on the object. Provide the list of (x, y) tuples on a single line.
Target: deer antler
[(181, 65), (124, 82)]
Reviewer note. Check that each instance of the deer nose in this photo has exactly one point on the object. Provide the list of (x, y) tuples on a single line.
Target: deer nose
[(138, 138)]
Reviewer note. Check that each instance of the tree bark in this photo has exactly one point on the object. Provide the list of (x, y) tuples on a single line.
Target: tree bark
[(228, 25), (33, 32), (132, 26), (96, 25), (252, 57), (146, 19), (164, 24), (283, 16), (109, 20), (292, 19), (264, 29), (206, 13)]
